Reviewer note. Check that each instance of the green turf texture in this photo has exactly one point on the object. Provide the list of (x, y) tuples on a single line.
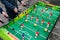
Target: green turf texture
[(29, 28)]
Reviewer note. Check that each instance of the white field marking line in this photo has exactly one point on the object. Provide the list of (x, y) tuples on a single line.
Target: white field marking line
[(50, 18), (30, 27), (40, 26), (20, 33), (16, 33), (33, 23), (25, 33), (30, 22), (49, 12), (39, 19), (40, 35), (35, 32)]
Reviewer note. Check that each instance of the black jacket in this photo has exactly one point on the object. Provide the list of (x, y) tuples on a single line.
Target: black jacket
[(10, 4), (1, 10)]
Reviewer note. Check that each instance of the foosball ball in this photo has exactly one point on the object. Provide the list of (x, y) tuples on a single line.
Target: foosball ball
[(35, 23)]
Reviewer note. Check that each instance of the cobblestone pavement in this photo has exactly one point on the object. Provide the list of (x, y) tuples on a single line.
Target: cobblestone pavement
[(55, 35)]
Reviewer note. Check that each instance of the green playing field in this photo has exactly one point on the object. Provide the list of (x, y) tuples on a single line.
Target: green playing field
[(39, 18)]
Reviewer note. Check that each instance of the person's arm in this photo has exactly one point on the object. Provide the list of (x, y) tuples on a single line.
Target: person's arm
[(7, 4), (1, 10)]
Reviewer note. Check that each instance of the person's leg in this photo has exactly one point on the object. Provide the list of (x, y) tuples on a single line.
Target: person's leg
[(11, 13), (5, 14), (2, 12)]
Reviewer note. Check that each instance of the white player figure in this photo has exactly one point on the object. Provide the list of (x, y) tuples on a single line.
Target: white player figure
[(50, 13), (37, 33), (42, 21), (42, 10), (32, 17), (48, 24), (37, 19), (34, 8), (27, 16), (22, 25)]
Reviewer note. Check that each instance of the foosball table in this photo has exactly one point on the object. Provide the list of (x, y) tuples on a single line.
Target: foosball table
[(35, 23)]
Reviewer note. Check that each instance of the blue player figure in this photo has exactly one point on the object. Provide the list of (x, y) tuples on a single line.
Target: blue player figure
[(23, 36)]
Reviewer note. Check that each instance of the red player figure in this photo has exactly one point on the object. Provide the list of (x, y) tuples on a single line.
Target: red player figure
[(42, 21), (37, 33), (34, 8), (32, 17), (42, 11), (48, 24), (22, 25), (37, 19), (50, 13), (26, 15)]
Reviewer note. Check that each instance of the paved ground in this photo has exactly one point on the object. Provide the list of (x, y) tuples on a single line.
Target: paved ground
[(54, 36)]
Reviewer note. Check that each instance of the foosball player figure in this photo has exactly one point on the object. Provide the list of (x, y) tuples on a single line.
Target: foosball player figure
[(35, 24), (27, 16), (22, 25), (48, 24), (23, 36), (37, 19), (45, 29), (8, 33), (42, 21), (32, 17), (50, 13), (26, 20), (42, 10), (37, 34), (13, 29), (46, 8)]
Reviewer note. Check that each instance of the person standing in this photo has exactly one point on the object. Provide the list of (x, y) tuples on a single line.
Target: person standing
[(12, 7)]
